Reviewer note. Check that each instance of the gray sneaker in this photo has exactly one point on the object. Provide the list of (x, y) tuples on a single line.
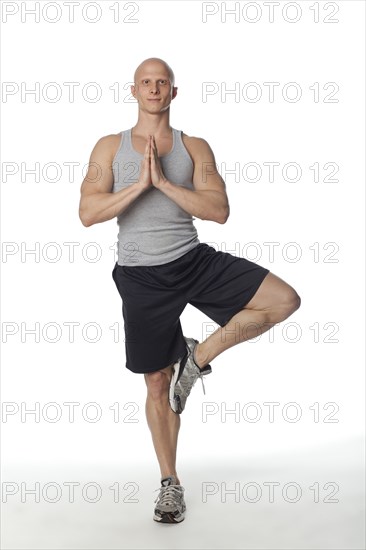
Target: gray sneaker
[(170, 506), (185, 375)]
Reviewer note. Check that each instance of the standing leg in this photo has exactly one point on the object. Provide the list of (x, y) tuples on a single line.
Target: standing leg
[(273, 302), (164, 424)]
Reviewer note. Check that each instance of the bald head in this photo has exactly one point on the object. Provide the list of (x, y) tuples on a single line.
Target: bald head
[(154, 62)]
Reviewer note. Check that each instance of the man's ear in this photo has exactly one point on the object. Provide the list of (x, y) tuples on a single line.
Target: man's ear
[(175, 91), (133, 90)]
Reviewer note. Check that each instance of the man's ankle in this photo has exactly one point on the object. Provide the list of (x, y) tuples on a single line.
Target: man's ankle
[(175, 476), (199, 359)]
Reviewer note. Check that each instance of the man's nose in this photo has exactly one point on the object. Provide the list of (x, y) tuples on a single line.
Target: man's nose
[(154, 89)]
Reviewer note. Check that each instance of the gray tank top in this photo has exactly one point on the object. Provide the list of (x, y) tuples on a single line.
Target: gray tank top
[(153, 230)]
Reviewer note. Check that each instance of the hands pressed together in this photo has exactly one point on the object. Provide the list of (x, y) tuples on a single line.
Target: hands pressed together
[(151, 172)]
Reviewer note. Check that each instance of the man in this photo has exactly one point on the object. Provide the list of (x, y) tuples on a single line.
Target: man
[(155, 179)]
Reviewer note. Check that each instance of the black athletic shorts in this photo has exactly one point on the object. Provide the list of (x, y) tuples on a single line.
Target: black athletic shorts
[(153, 298)]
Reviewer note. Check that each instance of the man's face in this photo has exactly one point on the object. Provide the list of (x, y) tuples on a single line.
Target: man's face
[(153, 89)]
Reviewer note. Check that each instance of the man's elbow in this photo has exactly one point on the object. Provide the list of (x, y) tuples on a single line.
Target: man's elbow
[(87, 223), (224, 216), (85, 220)]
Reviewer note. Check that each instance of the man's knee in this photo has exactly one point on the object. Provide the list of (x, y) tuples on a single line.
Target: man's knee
[(158, 383), (283, 303), (290, 301)]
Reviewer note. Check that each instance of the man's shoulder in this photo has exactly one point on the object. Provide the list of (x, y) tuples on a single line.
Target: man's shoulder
[(109, 144), (194, 140), (196, 144), (110, 139)]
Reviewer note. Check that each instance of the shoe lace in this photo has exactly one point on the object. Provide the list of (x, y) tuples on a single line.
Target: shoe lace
[(203, 386), (169, 494)]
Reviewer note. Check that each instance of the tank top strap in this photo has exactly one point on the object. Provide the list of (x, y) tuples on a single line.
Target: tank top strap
[(126, 140), (178, 140)]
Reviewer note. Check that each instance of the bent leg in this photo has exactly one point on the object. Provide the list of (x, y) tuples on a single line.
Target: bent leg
[(273, 302), (164, 424)]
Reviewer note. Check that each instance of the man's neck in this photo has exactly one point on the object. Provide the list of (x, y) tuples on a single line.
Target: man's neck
[(155, 125)]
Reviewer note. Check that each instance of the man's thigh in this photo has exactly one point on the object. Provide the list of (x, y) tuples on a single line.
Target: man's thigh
[(153, 332), (223, 284)]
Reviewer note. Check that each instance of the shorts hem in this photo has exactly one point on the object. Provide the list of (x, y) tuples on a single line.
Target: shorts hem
[(180, 356)]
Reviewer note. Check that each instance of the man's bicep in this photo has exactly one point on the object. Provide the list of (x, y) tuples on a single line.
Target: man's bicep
[(205, 175), (99, 177)]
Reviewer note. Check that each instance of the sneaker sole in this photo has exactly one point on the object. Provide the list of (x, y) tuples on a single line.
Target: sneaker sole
[(168, 518), (206, 370), (173, 381)]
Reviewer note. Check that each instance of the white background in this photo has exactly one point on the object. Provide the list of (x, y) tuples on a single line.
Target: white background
[(287, 365)]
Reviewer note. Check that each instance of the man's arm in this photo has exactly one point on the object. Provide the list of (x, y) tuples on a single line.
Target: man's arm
[(97, 202), (209, 200)]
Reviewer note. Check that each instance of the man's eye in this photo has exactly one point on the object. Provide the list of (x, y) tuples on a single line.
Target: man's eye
[(145, 81), (163, 81)]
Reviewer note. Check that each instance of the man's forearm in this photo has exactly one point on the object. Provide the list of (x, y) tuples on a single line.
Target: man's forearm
[(101, 207), (205, 205)]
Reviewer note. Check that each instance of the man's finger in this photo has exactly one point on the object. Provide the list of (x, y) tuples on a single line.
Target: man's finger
[(147, 150), (154, 144), (154, 151)]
